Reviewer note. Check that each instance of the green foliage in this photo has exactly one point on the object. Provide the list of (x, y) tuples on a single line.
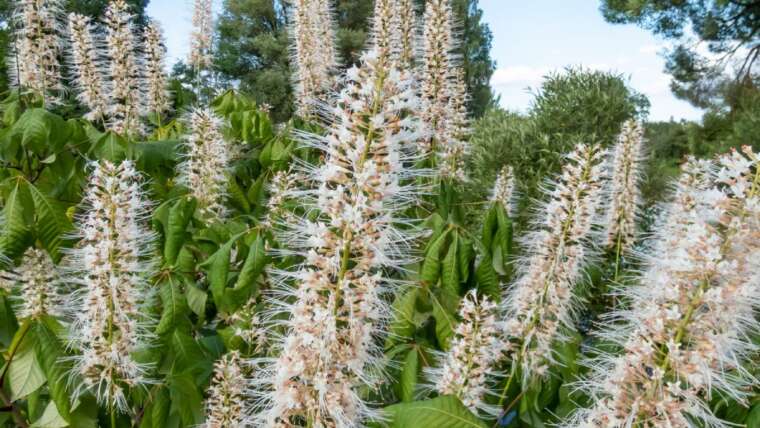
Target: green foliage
[(729, 27), (583, 105), (253, 48)]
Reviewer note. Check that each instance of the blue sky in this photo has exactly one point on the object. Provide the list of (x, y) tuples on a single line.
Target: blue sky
[(531, 38)]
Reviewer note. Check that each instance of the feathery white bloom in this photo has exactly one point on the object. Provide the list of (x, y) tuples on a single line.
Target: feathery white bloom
[(202, 36), (226, 404), (314, 54), (475, 350), (408, 28), (385, 33), (124, 70), (283, 183), (438, 44), (207, 158), (109, 267), (541, 301), (456, 129), (157, 96), (37, 45), (624, 183), (687, 332), (87, 66), (247, 325), (336, 312), (38, 284), (503, 188)]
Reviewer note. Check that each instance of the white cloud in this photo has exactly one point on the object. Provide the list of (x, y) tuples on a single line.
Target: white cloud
[(650, 49), (519, 74)]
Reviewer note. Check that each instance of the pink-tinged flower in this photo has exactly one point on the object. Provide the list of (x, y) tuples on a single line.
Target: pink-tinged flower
[(540, 304), (332, 307), (202, 36), (33, 63), (625, 194), (109, 266), (125, 70), (314, 54), (87, 66), (226, 403), (687, 331), (156, 93), (36, 285), (469, 367), (206, 163)]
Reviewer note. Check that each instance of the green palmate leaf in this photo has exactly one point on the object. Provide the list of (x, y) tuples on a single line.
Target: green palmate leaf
[(237, 196), (153, 155), (450, 267), (488, 280), (403, 325), (178, 218), (489, 227), (174, 304), (111, 146), (17, 220), (218, 268), (24, 373), (444, 310), (431, 265), (51, 223), (196, 300), (8, 324), (409, 372), (465, 255), (39, 131), (186, 399), (502, 245), (186, 353), (253, 266), (50, 418), (753, 419), (445, 411), (158, 410), (49, 350)]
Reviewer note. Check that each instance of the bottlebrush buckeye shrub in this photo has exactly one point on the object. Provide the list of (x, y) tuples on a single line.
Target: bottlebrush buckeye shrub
[(323, 272)]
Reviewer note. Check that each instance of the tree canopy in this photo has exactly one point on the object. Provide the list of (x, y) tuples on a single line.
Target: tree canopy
[(253, 48), (717, 43)]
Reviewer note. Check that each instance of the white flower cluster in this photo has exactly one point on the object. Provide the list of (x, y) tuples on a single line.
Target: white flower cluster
[(246, 324), (541, 301), (207, 158), (336, 312), (108, 265), (314, 53), (283, 182), (408, 28), (87, 67), (37, 45), (118, 76), (438, 44), (156, 94), (503, 188), (226, 403), (469, 366), (625, 194), (394, 32), (124, 70), (456, 129), (201, 38), (687, 332), (39, 286)]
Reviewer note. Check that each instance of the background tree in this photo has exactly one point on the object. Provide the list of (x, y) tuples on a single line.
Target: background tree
[(730, 31), (94, 8), (253, 48)]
